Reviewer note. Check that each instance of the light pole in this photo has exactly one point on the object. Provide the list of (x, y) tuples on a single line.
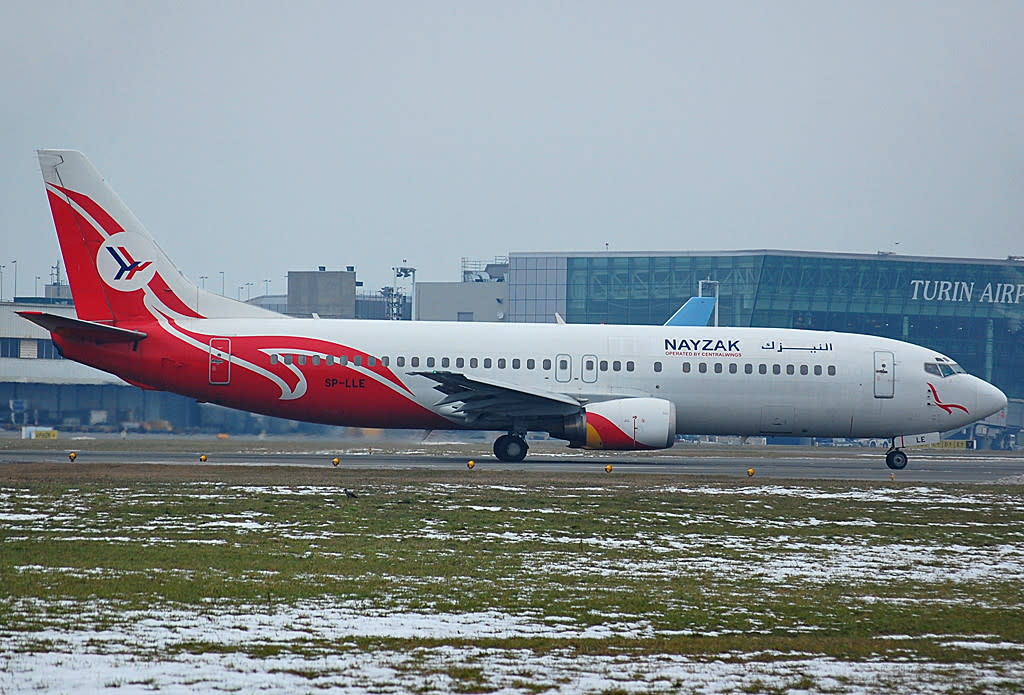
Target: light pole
[(202, 281), (15, 292), (222, 283), (266, 287), (35, 288), (700, 292), (248, 291), (404, 271), (2, 282)]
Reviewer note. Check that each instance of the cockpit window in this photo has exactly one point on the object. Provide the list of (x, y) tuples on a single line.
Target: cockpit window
[(943, 369)]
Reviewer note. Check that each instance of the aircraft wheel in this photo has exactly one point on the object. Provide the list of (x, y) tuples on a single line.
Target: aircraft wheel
[(510, 448), (896, 460)]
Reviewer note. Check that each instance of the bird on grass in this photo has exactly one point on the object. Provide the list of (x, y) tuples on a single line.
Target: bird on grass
[(349, 493)]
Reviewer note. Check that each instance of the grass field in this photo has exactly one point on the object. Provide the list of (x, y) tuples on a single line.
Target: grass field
[(239, 579)]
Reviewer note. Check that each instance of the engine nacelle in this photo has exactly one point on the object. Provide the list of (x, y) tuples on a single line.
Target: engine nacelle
[(623, 423)]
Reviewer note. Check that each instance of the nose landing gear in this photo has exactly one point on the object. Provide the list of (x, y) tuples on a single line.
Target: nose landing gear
[(510, 448), (896, 459)]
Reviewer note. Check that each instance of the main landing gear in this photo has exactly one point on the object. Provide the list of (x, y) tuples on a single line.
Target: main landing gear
[(510, 448), (896, 459)]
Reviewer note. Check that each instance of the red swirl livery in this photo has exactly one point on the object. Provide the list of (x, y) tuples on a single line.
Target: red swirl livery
[(596, 386)]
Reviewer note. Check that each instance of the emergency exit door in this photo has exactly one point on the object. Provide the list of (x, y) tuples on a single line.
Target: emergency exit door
[(220, 361), (885, 375)]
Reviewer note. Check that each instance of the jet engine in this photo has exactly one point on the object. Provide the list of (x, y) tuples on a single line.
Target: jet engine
[(621, 424)]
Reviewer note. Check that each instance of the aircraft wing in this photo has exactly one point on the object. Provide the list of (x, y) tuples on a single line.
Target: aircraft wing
[(695, 312), (477, 399), (77, 329)]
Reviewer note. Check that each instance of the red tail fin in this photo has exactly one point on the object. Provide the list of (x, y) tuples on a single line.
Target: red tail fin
[(116, 269)]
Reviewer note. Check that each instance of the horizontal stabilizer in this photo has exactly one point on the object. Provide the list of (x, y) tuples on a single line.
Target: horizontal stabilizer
[(76, 329)]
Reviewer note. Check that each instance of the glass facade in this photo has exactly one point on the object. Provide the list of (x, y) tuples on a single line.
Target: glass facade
[(539, 289), (971, 310)]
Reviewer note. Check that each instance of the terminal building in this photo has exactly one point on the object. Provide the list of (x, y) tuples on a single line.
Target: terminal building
[(970, 309)]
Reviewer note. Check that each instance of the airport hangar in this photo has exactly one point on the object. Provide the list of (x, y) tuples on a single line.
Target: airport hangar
[(970, 309)]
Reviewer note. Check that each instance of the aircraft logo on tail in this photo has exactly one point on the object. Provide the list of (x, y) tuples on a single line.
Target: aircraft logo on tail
[(126, 262), (117, 264)]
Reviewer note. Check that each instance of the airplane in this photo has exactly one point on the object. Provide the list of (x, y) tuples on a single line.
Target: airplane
[(611, 387)]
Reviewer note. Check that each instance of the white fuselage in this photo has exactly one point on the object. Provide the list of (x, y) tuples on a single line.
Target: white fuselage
[(722, 380)]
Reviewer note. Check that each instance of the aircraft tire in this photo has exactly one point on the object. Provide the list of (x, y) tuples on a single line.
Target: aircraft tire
[(510, 448), (896, 460)]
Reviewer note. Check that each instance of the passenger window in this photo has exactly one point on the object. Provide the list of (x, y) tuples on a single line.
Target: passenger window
[(718, 367), (616, 366), (563, 364), (630, 366), (686, 367), (358, 360), (531, 363), (487, 363), (790, 369), (400, 361), (385, 360), (702, 367), (414, 361), (776, 369), (430, 361), (460, 362), (733, 368), (803, 369), (604, 365), (371, 361), (588, 365), (445, 362), (546, 364), (831, 370), (657, 366), (762, 369), (302, 359), (501, 363), (316, 360), (515, 363), (817, 370), (287, 359), (343, 360), (473, 362), (273, 359), (748, 368), (330, 360)]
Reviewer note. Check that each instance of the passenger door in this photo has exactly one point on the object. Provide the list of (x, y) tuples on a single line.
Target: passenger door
[(563, 368), (589, 369), (220, 361), (885, 375)]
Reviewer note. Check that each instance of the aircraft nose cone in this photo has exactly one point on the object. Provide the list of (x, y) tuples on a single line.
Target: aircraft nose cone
[(990, 399)]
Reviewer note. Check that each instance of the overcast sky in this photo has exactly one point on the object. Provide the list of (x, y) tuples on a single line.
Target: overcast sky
[(259, 137)]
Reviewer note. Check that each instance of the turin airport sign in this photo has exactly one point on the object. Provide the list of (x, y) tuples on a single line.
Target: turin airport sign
[(961, 291)]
